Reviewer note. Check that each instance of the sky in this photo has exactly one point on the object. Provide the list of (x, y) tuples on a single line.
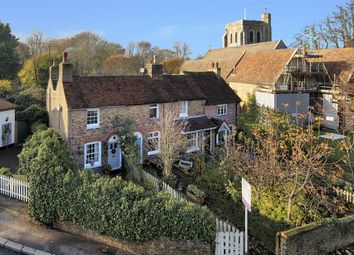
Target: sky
[(200, 23)]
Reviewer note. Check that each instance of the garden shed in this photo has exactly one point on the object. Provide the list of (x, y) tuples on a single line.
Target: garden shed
[(7, 123)]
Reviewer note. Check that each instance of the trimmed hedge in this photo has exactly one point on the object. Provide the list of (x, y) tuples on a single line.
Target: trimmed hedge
[(109, 206)]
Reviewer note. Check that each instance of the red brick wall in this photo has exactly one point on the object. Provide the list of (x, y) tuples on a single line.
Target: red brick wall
[(212, 112)]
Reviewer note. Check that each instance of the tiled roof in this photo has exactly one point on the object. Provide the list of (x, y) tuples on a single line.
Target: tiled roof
[(98, 91), (261, 67), (6, 105), (227, 58), (199, 123), (339, 62)]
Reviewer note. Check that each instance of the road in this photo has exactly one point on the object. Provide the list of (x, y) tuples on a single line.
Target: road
[(15, 226)]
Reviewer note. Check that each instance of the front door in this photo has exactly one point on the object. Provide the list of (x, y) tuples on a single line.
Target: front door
[(114, 153)]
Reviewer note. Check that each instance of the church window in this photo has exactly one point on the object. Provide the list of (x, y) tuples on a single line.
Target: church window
[(258, 36), (251, 37)]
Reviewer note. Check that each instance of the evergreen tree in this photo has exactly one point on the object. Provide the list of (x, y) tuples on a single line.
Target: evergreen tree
[(9, 61)]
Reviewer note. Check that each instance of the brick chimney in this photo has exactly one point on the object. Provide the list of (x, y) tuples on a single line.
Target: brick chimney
[(215, 68), (153, 69), (65, 69)]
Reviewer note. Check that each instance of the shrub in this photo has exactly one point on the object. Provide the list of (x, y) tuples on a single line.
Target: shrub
[(5, 171), (38, 126), (195, 191), (106, 205)]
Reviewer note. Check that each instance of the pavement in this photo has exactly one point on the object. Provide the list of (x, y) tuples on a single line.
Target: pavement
[(17, 227)]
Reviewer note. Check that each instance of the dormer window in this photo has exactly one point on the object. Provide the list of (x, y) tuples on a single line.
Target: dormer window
[(154, 111), (93, 118), (222, 109), (183, 109)]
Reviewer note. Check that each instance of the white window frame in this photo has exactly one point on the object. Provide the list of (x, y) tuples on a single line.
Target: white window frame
[(222, 110), (157, 107), (195, 146), (225, 128), (96, 163), (154, 135), (93, 125), (183, 104)]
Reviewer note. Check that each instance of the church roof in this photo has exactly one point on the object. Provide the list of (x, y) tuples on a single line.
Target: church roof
[(261, 67), (227, 58)]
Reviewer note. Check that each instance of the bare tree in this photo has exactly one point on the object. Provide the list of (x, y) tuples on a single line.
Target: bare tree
[(183, 51), (335, 31), (172, 140), (130, 49)]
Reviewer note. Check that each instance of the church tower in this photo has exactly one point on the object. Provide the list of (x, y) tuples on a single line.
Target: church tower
[(244, 32)]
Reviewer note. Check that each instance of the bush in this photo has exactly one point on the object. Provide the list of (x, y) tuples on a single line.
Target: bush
[(106, 205), (33, 113), (38, 126), (5, 171), (195, 191)]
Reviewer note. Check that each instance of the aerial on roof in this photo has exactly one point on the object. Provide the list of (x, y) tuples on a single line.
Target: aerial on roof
[(339, 62), (227, 58), (99, 91), (261, 67), (6, 105)]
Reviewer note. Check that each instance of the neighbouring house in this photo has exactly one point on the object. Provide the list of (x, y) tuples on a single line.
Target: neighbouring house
[(7, 123), (338, 100), (81, 109)]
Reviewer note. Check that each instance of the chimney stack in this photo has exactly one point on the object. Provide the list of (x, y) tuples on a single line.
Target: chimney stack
[(153, 69), (215, 68), (65, 69)]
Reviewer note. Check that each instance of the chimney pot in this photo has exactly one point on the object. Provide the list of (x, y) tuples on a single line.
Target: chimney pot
[(65, 57)]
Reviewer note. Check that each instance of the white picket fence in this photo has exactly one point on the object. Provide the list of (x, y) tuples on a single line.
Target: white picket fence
[(160, 184), (14, 188), (344, 195), (229, 240)]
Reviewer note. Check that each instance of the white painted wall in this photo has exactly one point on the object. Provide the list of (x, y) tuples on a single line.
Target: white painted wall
[(265, 99), (10, 114)]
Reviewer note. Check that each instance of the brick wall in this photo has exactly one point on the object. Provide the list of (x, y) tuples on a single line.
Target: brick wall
[(79, 134), (212, 112), (157, 247), (316, 238)]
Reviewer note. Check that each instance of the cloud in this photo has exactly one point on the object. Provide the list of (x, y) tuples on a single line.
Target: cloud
[(166, 31)]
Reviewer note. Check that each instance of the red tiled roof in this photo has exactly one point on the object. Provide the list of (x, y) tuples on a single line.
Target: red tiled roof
[(227, 58), (339, 62), (6, 105), (261, 67), (98, 91)]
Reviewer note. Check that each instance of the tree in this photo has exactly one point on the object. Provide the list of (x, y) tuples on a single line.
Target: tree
[(120, 65), (9, 60), (172, 141), (5, 87), (335, 31), (173, 65), (182, 50), (285, 163)]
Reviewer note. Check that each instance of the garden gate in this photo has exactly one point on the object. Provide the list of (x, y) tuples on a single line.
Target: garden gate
[(229, 240)]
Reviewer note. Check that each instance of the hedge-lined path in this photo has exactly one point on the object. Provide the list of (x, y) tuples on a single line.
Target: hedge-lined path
[(16, 226)]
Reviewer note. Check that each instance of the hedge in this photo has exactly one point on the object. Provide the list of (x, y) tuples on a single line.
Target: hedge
[(110, 206)]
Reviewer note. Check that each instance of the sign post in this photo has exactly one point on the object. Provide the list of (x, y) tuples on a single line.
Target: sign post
[(246, 200)]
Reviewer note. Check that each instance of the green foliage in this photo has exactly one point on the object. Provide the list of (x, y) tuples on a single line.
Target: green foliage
[(5, 87), (109, 206), (196, 191), (33, 113), (9, 61), (38, 126), (250, 114), (5, 171)]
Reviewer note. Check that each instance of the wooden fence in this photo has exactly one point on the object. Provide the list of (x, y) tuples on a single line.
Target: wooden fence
[(344, 195), (14, 188), (229, 240), (160, 185)]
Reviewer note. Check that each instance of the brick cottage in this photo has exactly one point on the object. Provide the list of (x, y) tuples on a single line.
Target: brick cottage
[(81, 109)]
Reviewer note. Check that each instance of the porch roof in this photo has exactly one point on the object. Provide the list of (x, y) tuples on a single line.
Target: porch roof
[(199, 123), (6, 105)]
